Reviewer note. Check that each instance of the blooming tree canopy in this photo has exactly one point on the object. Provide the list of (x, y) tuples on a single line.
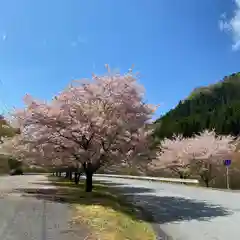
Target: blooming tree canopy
[(173, 154), (208, 146), (96, 122), (209, 151), (202, 152)]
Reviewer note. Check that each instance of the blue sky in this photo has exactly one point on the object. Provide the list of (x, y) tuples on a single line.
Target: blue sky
[(176, 45)]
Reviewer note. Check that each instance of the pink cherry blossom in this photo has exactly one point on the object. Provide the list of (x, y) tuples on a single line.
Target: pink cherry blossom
[(100, 122), (203, 152), (174, 155)]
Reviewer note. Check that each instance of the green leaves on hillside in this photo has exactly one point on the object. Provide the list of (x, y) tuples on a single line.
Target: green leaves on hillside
[(216, 106)]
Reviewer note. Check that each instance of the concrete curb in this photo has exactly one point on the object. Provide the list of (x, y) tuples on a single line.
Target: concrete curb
[(190, 182), (158, 179)]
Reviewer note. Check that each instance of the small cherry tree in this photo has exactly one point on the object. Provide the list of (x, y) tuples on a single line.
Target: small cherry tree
[(98, 123), (208, 152), (173, 155)]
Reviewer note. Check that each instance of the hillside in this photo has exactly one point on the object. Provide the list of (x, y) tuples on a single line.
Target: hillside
[(214, 106)]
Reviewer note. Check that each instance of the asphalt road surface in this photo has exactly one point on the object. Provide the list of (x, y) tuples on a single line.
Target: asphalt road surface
[(28, 218), (183, 212)]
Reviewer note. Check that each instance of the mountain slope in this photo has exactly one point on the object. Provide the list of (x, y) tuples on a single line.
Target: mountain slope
[(215, 106)]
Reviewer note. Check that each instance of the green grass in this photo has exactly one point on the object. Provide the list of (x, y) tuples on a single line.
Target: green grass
[(104, 211)]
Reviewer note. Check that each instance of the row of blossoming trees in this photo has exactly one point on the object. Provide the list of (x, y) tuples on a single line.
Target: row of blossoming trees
[(105, 122), (202, 155)]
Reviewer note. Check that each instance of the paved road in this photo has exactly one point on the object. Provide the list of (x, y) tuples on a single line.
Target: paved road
[(186, 213), (27, 218)]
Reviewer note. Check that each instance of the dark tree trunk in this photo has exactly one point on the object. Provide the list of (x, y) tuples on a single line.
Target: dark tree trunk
[(207, 175), (205, 180), (206, 183), (89, 170), (67, 174), (76, 177), (70, 175), (182, 176), (89, 182)]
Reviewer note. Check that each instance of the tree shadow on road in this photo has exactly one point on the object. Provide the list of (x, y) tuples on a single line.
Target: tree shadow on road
[(149, 207), (64, 182), (166, 209)]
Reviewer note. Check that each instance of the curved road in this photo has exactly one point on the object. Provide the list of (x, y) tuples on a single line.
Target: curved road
[(183, 212), (28, 218)]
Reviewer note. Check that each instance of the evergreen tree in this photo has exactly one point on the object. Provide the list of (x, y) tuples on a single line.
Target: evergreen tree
[(216, 106)]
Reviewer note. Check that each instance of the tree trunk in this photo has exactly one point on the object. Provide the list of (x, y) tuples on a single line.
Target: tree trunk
[(89, 182), (207, 175), (76, 177), (89, 170), (205, 180), (182, 176), (70, 175), (67, 174), (206, 183)]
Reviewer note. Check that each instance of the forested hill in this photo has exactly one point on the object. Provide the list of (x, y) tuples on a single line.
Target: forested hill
[(215, 106)]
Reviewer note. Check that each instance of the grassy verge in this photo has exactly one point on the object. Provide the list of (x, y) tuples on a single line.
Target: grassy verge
[(105, 212)]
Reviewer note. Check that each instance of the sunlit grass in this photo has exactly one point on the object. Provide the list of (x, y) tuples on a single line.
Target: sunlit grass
[(105, 212)]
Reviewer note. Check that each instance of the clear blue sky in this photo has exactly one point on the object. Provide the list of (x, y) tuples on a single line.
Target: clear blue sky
[(176, 45)]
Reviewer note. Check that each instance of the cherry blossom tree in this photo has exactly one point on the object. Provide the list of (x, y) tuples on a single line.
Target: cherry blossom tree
[(202, 153), (208, 152), (173, 154), (95, 123)]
